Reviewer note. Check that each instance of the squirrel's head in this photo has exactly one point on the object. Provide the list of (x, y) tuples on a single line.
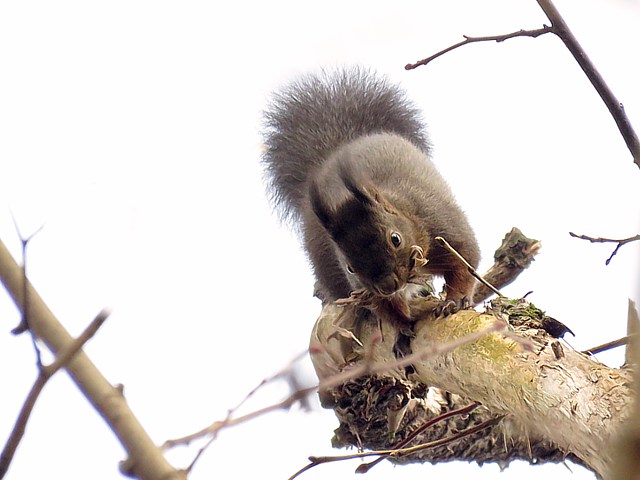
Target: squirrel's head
[(375, 241)]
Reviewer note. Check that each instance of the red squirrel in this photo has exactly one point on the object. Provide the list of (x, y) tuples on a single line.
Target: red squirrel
[(347, 160)]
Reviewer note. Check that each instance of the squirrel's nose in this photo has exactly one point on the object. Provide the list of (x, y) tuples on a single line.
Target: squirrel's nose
[(388, 285)]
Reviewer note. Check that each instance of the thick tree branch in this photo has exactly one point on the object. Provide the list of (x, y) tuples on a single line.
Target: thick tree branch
[(558, 401), (145, 459), (514, 255)]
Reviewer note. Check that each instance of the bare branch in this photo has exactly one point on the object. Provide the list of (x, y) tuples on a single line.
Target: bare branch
[(561, 29), (367, 367), (216, 426), (609, 345), (74, 347), (24, 321), (365, 467), (298, 395), (44, 374), (514, 255), (145, 459), (620, 242), (314, 461), (230, 421), (283, 372), (491, 38), (431, 351)]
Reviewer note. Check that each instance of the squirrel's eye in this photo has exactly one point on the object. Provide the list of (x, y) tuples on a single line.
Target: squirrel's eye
[(350, 269), (396, 239)]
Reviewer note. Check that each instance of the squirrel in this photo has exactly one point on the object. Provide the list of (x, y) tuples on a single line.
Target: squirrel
[(347, 159)]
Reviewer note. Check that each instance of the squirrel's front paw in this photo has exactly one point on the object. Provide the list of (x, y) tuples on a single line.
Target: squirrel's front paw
[(449, 307)]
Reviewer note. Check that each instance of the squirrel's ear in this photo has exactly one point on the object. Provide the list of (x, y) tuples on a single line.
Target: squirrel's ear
[(357, 185), (360, 193), (324, 212)]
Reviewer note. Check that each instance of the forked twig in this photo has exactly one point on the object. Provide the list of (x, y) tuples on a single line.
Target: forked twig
[(212, 430), (366, 368), (314, 461), (365, 467), (560, 28), (145, 459), (620, 242), (45, 372), (24, 320)]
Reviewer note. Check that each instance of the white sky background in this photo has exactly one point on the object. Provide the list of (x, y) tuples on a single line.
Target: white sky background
[(130, 130)]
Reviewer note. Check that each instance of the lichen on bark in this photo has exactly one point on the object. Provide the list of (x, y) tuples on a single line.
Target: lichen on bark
[(556, 403)]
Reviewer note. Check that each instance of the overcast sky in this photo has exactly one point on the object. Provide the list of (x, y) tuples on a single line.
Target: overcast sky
[(129, 130)]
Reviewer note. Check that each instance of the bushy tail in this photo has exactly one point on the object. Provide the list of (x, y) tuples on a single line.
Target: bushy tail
[(314, 115)]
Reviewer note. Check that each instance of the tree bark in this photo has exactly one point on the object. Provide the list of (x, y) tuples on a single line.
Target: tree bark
[(145, 460), (557, 403)]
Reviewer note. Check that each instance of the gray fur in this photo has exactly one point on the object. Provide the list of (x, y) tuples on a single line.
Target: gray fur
[(311, 117), (347, 161)]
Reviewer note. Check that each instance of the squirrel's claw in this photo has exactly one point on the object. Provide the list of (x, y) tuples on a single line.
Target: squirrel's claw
[(449, 307)]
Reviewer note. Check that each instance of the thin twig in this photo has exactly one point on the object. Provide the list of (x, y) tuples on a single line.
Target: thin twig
[(215, 427), (620, 242), (279, 374), (200, 452), (400, 451), (366, 368), (23, 326), (472, 270), (561, 29), (609, 345), (44, 374), (75, 346), (365, 467), (491, 38), (433, 350)]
